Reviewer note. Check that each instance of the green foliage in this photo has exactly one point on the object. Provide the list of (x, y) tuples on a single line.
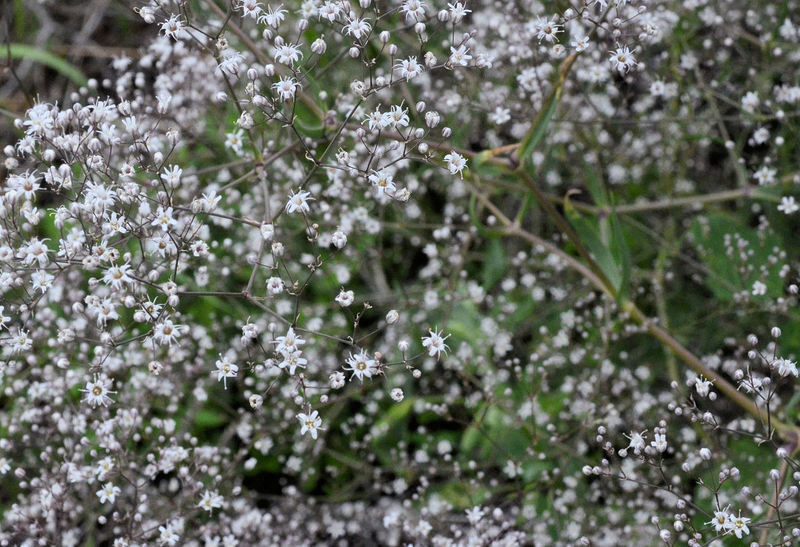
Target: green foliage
[(725, 269), (38, 55), (495, 263)]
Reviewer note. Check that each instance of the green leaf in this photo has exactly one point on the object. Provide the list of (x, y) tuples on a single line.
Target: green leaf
[(538, 128), (307, 121), (724, 272), (621, 253), (594, 235), (492, 429), (394, 424), (207, 418), (495, 263), (41, 56), (595, 186)]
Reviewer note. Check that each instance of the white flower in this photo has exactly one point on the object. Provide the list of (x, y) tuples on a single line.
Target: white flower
[(546, 30), (210, 501), (104, 467), (383, 182), (339, 240), (289, 343), (750, 101), (310, 423), (500, 115), (765, 175), (274, 286), (702, 386), (286, 88), (637, 442), (345, 298), (759, 289), (292, 360), (173, 27), (97, 391), (396, 394), (361, 365), (622, 59), (273, 18), (108, 492), (267, 231), (786, 367), (458, 11), (455, 163), (409, 68), (581, 45), (298, 202), (460, 56), (396, 117), (337, 380), (721, 521), (288, 54), (435, 343), (235, 141), (225, 369), (413, 10), (116, 276), (167, 535), (250, 8), (738, 525), (172, 177), (329, 11), (166, 332), (788, 205), (41, 280), (358, 28), (761, 135), (660, 442), (475, 515)]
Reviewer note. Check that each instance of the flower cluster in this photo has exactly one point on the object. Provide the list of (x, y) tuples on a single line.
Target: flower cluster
[(411, 272)]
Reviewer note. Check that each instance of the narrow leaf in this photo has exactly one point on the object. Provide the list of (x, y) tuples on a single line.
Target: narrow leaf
[(37, 55)]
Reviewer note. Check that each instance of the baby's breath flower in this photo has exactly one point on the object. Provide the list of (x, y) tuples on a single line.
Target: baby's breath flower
[(310, 423)]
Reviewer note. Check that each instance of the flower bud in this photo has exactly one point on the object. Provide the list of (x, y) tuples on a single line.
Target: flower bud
[(267, 231), (392, 316), (319, 46), (430, 59), (339, 239)]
